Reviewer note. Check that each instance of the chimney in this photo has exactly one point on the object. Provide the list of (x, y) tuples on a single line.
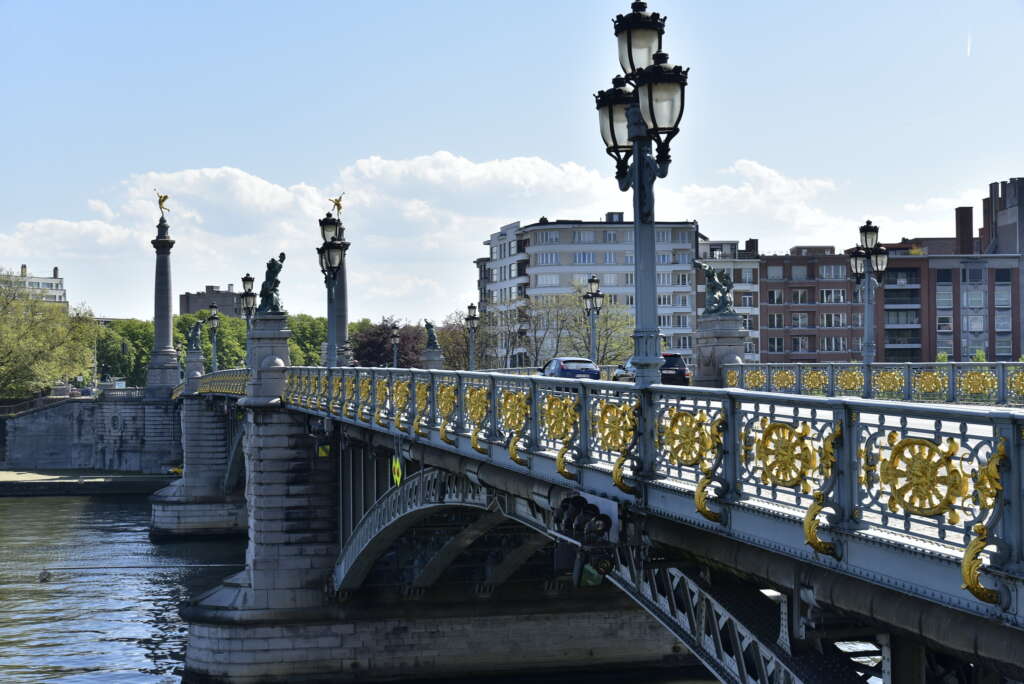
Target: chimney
[(24, 271), (231, 287), (751, 246), (964, 230), (56, 272)]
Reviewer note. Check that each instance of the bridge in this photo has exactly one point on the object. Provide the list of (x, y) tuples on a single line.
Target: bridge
[(776, 537)]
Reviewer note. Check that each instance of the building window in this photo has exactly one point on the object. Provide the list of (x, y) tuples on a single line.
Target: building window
[(799, 272), (746, 321), (1004, 320), (662, 235), (775, 345), (681, 320), (749, 347), (549, 237), (944, 275), (611, 236), (773, 272), (628, 258), (582, 236), (832, 320), (679, 278), (974, 298), (974, 323), (547, 259), (664, 320), (1004, 345), (612, 298), (944, 343), (685, 342), (610, 279), (832, 272), (903, 317), (547, 280), (746, 275), (1002, 295), (664, 300), (775, 297), (583, 258), (903, 276), (857, 319), (630, 300), (682, 300), (664, 258), (775, 320), (944, 323), (973, 275), (801, 320), (943, 296), (832, 296), (800, 297), (801, 343), (630, 277), (857, 344), (832, 344), (663, 279), (609, 257), (747, 299)]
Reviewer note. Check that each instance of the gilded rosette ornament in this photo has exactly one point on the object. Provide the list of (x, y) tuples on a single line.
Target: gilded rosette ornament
[(478, 402), (977, 382), (445, 409), (850, 380), (786, 454), (560, 418), (784, 379), (922, 477), (401, 401), (1015, 384), (364, 398), (685, 437), (513, 410), (930, 382), (616, 430), (732, 378), (970, 567), (815, 381), (382, 401), (350, 396), (887, 382), (422, 399), (754, 379), (397, 469)]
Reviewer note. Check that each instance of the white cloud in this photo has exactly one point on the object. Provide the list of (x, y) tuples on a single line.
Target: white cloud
[(415, 226)]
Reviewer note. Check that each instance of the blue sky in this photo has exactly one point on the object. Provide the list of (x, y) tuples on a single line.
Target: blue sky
[(443, 120)]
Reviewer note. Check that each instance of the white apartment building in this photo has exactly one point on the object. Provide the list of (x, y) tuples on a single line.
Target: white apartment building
[(743, 265), (49, 289), (557, 257)]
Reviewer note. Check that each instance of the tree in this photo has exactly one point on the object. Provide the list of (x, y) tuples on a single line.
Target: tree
[(371, 342), (309, 334), (41, 342)]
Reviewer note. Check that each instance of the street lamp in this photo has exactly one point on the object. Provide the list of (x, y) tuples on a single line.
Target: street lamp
[(593, 298), (248, 298), (394, 345), (214, 321), (629, 121), (331, 254), (868, 261), (472, 323)]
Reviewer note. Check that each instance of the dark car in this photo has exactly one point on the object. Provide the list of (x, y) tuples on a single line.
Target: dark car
[(571, 367), (674, 371)]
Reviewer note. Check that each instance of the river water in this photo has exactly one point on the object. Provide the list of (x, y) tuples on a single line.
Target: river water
[(116, 624)]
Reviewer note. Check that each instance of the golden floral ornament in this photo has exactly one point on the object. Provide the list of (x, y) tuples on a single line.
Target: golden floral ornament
[(1015, 383), (977, 382), (561, 421), (350, 396), (336, 400), (382, 401), (887, 381), (685, 437), (922, 477), (930, 382), (971, 565), (364, 397), (478, 402), (513, 410), (401, 399), (397, 469), (445, 408), (850, 380), (786, 454), (700, 494), (784, 379), (422, 399), (754, 379), (988, 480), (732, 378), (811, 525), (616, 430), (815, 380)]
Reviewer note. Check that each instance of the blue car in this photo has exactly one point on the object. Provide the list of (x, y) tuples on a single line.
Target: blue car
[(571, 367)]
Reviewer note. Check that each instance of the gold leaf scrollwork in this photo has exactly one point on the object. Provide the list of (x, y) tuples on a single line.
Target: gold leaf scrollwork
[(828, 451), (970, 567), (422, 399), (754, 379), (700, 494), (445, 408), (850, 380), (350, 397), (382, 401), (478, 401), (685, 437), (364, 396), (616, 429), (561, 421), (732, 378), (401, 401), (815, 380), (786, 454), (922, 477), (988, 480), (514, 409), (811, 525), (784, 379), (977, 382), (336, 399), (1015, 384), (321, 397)]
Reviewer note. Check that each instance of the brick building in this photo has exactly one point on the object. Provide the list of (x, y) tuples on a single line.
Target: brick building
[(228, 301)]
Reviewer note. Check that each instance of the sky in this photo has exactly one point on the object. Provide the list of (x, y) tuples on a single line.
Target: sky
[(442, 121)]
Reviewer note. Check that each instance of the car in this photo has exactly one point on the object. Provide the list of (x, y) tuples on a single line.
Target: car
[(571, 367), (674, 371)]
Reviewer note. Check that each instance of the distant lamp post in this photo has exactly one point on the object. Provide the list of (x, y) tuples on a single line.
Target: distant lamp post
[(248, 298), (868, 261), (331, 254), (394, 345), (472, 323), (593, 299), (214, 321)]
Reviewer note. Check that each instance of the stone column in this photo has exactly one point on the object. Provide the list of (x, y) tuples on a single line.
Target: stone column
[(720, 339), (163, 373)]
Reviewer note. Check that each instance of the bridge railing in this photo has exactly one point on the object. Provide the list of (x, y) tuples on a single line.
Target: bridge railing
[(922, 479), (607, 371), (230, 382), (987, 383)]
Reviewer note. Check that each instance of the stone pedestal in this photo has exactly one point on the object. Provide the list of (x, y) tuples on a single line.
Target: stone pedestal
[(432, 359), (720, 340), (193, 370)]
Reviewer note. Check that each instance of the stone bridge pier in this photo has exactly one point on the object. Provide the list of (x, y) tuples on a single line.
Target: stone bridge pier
[(343, 567)]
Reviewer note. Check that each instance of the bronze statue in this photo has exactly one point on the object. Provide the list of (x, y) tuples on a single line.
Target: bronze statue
[(270, 299), (194, 336), (431, 336), (717, 289), (336, 201), (161, 200)]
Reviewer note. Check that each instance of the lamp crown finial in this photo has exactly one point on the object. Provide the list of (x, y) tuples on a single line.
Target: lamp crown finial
[(661, 58)]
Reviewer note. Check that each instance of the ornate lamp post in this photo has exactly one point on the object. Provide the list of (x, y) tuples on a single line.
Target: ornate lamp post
[(868, 261), (394, 345), (472, 323), (630, 120), (593, 298), (331, 255), (214, 321), (248, 298)]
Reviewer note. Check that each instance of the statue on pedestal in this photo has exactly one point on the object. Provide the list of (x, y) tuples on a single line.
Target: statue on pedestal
[(270, 300), (717, 289), (194, 336), (431, 336)]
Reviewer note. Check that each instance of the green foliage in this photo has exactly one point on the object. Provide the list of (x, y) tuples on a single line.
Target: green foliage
[(941, 357), (979, 356), (371, 342), (308, 334)]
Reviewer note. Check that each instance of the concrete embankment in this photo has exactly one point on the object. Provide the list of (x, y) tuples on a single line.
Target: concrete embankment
[(78, 483)]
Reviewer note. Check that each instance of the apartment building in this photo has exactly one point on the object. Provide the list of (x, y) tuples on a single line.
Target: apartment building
[(744, 266), (228, 302), (556, 257), (46, 288)]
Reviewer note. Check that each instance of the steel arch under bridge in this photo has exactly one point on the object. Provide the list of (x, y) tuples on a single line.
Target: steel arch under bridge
[(681, 602)]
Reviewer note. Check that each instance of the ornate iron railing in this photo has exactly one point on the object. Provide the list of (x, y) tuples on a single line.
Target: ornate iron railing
[(985, 383), (606, 371), (917, 496), (178, 389), (122, 394), (231, 382)]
